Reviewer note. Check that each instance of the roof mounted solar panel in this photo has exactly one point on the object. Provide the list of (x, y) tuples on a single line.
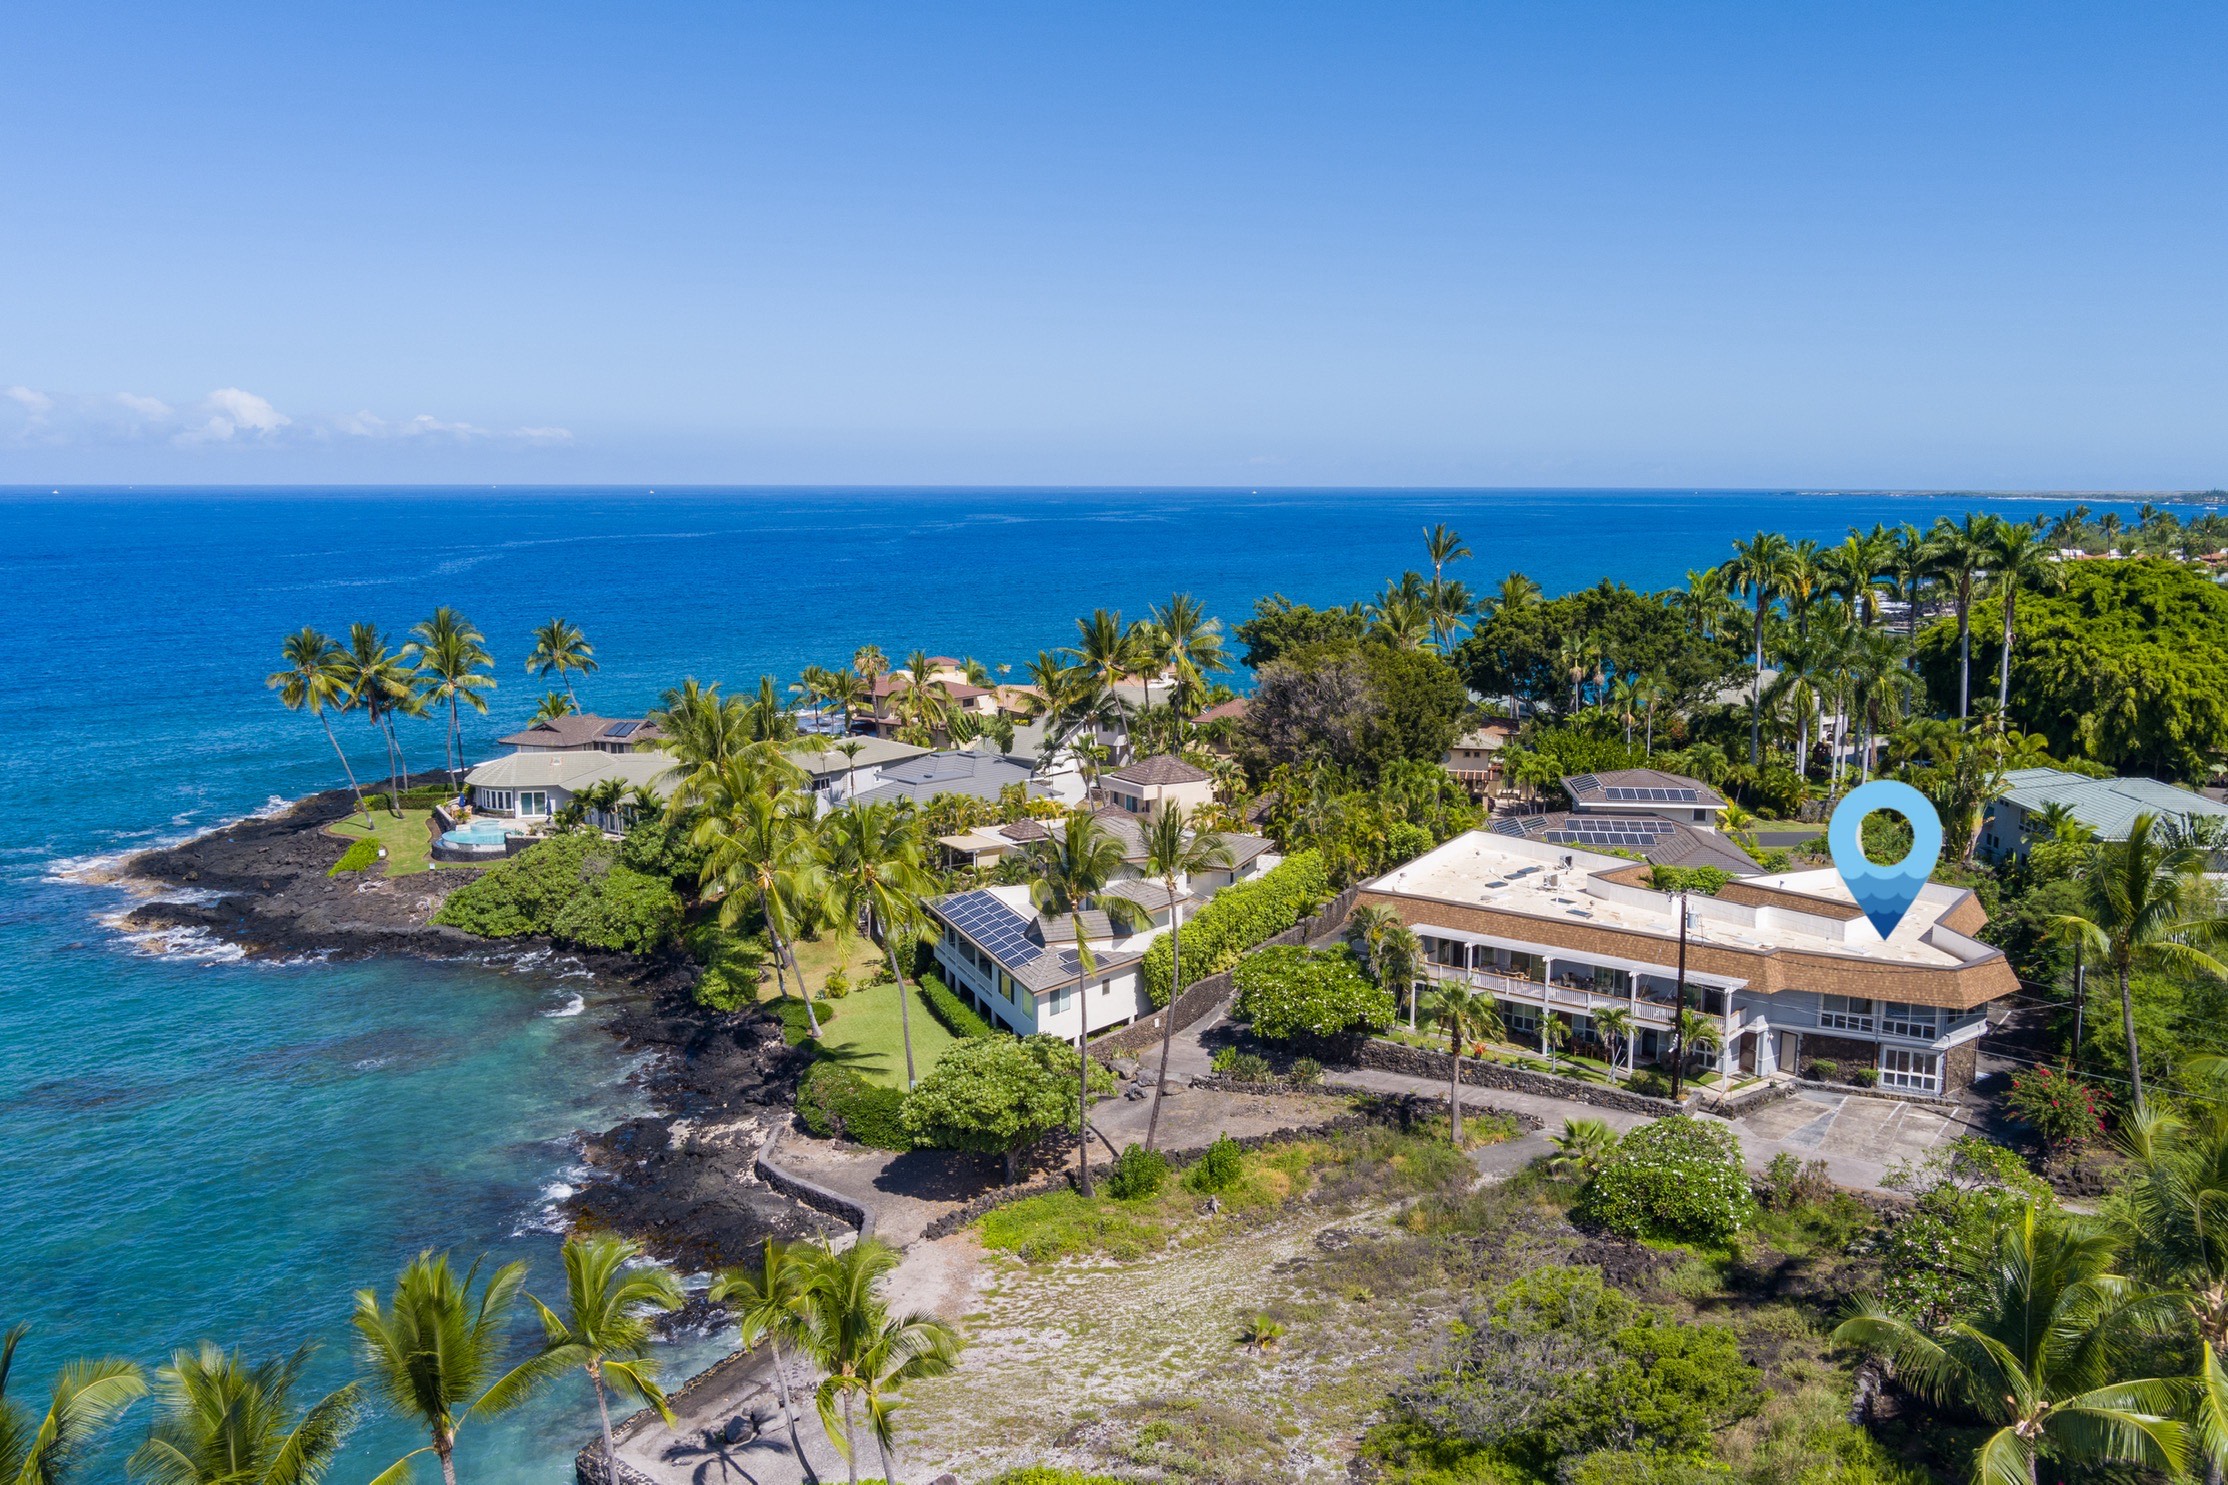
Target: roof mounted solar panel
[(622, 729), (1586, 781)]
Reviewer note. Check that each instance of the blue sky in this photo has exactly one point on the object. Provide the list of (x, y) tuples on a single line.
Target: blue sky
[(1972, 246)]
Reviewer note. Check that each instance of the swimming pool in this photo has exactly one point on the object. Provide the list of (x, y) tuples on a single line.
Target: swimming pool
[(478, 835)]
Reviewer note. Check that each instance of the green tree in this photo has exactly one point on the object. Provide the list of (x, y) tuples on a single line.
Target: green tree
[(1760, 568), (1581, 1148), (435, 1349), (2040, 1358), (2018, 558), (42, 1449), (759, 847), (2145, 902), (317, 676), (1193, 645), (769, 1306), (994, 1094), (1175, 852), (1960, 552), (453, 656), (605, 1329), (875, 869), (560, 649), (222, 1422), (1280, 626), (1289, 992), (867, 1352), (383, 686), (1068, 873), (1464, 1015)]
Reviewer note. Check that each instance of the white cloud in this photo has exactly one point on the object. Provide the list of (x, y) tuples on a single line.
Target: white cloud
[(228, 417)]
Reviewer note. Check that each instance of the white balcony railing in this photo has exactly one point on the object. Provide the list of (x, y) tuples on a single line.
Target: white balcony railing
[(1556, 997)]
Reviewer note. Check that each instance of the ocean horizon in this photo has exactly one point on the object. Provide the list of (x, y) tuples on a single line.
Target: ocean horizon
[(202, 1146)]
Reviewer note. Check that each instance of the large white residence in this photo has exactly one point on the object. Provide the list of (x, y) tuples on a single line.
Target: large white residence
[(1786, 965), (532, 786)]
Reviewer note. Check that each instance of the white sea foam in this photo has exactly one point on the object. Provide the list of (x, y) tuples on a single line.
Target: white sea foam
[(572, 1007), (371, 1064), (185, 942)]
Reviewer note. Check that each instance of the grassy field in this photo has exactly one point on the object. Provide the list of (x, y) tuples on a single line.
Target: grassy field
[(864, 1034), (409, 846), (857, 957)]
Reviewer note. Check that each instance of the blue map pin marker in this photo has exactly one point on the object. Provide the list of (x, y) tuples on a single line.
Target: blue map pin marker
[(1885, 893)]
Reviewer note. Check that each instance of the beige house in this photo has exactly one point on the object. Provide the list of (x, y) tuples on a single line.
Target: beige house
[(532, 786), (1151, 785)]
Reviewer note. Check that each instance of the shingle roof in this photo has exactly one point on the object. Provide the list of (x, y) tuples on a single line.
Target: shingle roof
[(873, 752), (1166, 768), (1236, 707), (1146, 894), (571, 770), (1658, 841), (1003, 934), (1059, 928), (2107, 806), (581, 730), (953, 771), (1024, 830), (1642, 788)]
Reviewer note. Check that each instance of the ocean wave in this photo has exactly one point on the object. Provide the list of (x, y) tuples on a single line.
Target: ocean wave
[(106, 868), (189, 943), (572, 1007), (548, 1212)]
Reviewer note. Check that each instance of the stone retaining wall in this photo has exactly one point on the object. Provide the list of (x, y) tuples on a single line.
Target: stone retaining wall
[(811, 1193), (1202, 998), (1420, 1062)]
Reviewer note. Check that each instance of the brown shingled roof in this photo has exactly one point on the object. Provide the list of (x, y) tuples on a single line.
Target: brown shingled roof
[(1166, 768)]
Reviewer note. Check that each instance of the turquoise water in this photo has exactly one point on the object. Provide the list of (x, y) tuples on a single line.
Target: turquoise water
[(194, 1146)]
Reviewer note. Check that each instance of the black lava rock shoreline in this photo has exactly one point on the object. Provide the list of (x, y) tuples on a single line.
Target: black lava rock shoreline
[(680, 1179)]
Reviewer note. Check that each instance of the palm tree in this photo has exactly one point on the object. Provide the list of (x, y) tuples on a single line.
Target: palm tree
[(1402, 613), (1581, 1149), (381, 683), (2038, 1357), (1879, 680), (39, 1449), (1759, 568), (1692, 1032), (1172, 852), (605, 1329), (433, 1350), (1852, 571), (850, 748), (770, 1306), (867, 1352), (448, 650), (875, 869), (1191, 641), (845, 689), (554, 705), (2019, 558), (316, 677), (223, 1422), (1448, 604), (1464, 1015), (1554, 1035), (560, 649), (1445, 546), (1960, 551), (704, 731), (1068, 873), (1909, 566), (759, 845), (1104, 650), (1613, 1023), (2144, 901)]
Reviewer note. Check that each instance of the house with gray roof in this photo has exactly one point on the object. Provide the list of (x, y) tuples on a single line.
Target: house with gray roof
[(1653, 838), (582, 732), (834, 775), (980, 772), (1645, 791), (532, 786), (2105, 807)]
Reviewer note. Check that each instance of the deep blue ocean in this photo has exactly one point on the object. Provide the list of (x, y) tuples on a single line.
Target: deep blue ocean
[(193, 1146)]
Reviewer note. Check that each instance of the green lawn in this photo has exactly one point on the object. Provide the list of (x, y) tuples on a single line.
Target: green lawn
[(409, 846), (863, 1034)]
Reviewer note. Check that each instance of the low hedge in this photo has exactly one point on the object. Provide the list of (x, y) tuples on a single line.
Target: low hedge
[(1676, 1179), (957, 1015), (360, 856), (836, 1103), (1235, 919)]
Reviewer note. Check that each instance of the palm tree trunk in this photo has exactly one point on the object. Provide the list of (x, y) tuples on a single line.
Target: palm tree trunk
[(445, 1449), (789, 1415), (2003, 682), (1964, 652), (1454, 1089), (456, 740), (1168, 1015), (1756, 702), (2127, 1024), (603, 1413), (851, 1437), (346, 767), (904, 1019), (889, 1470), (781, 952)]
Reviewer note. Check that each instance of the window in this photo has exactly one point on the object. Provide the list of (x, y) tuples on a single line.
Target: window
[(1844, 1013), (1898, 1019), (1917, 1072), (1447, 951), (1058, 1003), (1520, 1020)]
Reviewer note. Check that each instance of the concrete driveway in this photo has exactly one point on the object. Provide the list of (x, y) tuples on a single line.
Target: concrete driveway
[(1853, 1134)]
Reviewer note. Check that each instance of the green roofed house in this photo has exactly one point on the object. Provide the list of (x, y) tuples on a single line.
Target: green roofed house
[(2105, 807)]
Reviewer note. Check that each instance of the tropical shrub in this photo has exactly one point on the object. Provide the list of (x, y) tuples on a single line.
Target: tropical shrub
[(361, 855), (570, 888), (1963, 1193), (1289, 992), (1704, 880), (1676, 1178), (660, 847), (1138, 1173), (1307, 1072), (836, 1103), (1217, 1169), (1559, 1367), (836, 985), (998, 1095), (734, 964), (2065, 1111), (1044, 1474), (956, 1015), (1235, 919)]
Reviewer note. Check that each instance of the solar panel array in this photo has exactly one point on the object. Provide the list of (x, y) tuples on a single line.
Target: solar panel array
[(1633, 794), (622, 729), (1630, 834), (1001, 931), (1583, 782)]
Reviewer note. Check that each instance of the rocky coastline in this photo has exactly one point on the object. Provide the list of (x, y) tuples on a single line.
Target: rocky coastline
[(680, 1178)]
